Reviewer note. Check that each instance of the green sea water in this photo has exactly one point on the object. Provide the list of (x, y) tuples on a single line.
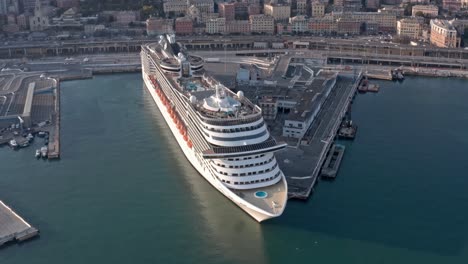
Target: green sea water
[(124, 193)]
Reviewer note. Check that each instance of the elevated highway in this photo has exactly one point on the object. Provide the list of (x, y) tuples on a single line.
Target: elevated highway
[(345, 50)]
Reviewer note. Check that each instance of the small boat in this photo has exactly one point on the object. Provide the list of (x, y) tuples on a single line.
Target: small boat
[(400, 76), (41, 134), (30, 137), (38, 153), (13, 143), (44, 152)]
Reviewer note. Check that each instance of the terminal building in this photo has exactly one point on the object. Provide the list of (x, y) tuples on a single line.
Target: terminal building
[(307, 105), (293, 101)]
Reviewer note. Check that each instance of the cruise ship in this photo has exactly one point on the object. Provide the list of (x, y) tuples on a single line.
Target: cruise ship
[(222, 133)]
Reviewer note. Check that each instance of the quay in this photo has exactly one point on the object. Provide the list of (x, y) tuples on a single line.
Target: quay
[(305, 187), (333, 161), (13, 227), (306, 104), (379, 75), (54, 137)]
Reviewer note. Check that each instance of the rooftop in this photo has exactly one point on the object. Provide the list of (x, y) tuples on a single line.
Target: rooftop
[(442, 23), (310, 99)]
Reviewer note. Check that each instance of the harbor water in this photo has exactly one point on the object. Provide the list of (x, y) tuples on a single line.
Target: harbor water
[(124, 193)]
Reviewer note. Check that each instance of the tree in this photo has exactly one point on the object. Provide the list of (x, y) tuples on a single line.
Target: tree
[(420, 14)]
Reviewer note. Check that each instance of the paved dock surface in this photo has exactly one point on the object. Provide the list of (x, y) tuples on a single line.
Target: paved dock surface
[(13, 227), (302, 164)]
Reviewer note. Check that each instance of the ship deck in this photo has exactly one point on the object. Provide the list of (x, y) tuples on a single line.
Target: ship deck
[(273, 203)]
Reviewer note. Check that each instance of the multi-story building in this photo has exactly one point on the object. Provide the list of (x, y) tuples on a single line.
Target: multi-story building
[(69, 20), (253, 9), (352, 5), (23, 21), (444, 34), (238, 27), (301, 7), (216, 26), (227, 11), (299, 24), (207, 16), (372, 4), (158, 26), (11, 18), (262, 24), (283, 28), (409, 27), (426, 10), (371, 28), (241, 10), (126, 17), (40, 20), (318, 9), (66, 4), (28, 5), (398, 11), (323, 25), (12, 6), (349, 26), (451, 5), (183, 26), (205, 6), (279, 12), (3, 7), (386, 22), (177, 7)]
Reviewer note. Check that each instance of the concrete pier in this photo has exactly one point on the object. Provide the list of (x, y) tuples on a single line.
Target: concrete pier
[(54, 137), (302, 165), (379, 75), (13, 227)]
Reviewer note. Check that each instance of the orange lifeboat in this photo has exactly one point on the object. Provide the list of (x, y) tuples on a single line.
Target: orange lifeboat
[(185, 137), (189, 144)]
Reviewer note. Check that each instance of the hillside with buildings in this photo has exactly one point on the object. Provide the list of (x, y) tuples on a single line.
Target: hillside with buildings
[(442, 23)]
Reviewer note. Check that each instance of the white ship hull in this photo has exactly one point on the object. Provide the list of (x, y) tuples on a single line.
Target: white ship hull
[(255, 212)]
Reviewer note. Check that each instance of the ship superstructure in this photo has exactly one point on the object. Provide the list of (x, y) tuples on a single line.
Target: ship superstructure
[(221, 133)]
